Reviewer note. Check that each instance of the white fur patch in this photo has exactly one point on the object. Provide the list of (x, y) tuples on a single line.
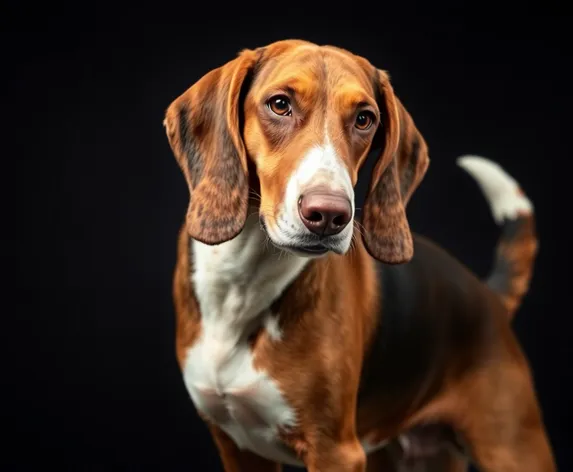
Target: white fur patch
[(271, 324), (235, 284), (501, 190), (321, 166)]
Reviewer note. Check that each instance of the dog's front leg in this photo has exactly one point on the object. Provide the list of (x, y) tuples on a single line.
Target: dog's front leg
[(332, 456), (239, 460)]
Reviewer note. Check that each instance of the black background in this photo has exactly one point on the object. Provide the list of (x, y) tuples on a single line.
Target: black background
[(93, 200)]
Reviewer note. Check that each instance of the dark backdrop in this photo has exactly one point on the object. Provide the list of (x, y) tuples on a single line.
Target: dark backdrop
[(93, 200)]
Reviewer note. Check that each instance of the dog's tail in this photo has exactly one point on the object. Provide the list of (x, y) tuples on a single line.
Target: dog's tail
[(513, 211)]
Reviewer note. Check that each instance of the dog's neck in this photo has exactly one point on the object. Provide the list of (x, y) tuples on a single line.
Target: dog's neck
[(237, 281)]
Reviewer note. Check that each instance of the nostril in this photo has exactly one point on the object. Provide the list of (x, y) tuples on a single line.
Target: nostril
[(339, 220), (315, 217)]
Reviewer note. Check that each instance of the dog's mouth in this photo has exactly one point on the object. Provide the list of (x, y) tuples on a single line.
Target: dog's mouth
[(305, 248), (310, 250)]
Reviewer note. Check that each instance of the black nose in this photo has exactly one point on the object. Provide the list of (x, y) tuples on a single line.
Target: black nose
[(324, 213)]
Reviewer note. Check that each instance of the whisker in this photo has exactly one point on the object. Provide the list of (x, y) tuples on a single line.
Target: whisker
[(353, 243), (255, 193), (360, 228)]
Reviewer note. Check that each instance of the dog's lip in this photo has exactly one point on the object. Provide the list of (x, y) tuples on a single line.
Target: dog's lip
[(312, 250)]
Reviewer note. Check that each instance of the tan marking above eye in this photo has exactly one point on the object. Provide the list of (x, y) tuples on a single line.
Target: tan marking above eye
[(280, 105), (364, 120)]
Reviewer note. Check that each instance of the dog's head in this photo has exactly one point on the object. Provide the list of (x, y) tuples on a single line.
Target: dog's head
[(288, 126)]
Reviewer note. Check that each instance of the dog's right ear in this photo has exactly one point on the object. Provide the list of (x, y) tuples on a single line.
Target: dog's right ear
[(202, 127)]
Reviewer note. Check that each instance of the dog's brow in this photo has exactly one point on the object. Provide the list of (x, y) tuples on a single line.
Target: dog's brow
[(353, 97), (298, 84)]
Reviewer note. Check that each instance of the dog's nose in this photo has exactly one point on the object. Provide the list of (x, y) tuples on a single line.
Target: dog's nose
[(325, 213)]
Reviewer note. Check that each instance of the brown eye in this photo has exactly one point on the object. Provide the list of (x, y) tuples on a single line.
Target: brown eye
[(280, 105), (364, 120)]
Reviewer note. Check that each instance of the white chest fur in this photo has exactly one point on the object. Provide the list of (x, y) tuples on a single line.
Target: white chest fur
[(235, 283)]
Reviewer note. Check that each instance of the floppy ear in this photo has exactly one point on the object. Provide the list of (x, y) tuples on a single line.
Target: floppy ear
[(401, 166), (203, 130)]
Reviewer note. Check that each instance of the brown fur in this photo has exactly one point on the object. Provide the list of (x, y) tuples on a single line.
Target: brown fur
[(203, 131), (329, 316), (398, 173), (515, 256)]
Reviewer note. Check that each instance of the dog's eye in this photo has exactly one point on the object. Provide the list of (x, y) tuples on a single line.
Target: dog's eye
[(364, 120), (280, 105)]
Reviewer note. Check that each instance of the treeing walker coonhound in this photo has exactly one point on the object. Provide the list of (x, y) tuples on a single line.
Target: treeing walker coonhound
[(308, 338)]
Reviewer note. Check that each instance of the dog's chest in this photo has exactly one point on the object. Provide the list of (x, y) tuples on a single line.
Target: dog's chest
[(245, 402), (220, 370)]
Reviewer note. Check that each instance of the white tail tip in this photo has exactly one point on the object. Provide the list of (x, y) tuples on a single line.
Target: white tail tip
[(503, 193)]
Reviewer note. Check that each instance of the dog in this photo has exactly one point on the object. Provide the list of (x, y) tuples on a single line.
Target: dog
[(310, 337)]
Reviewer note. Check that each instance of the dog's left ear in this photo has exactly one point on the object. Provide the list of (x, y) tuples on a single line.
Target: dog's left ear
[(400, 168), (203, 129)]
